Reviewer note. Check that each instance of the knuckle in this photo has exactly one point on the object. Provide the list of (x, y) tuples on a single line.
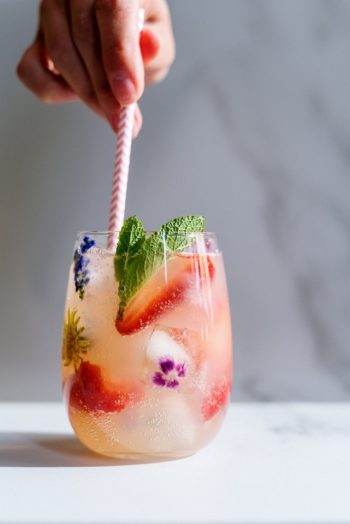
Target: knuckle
[(22, 69), (26, 66)]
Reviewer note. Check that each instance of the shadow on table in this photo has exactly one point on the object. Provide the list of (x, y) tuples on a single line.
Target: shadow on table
[(52, 450)]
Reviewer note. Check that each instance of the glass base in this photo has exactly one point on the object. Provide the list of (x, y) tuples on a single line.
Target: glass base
[(140, 458)]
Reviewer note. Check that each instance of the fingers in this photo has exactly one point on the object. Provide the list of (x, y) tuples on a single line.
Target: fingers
[(149, 45), (62, 51), (87, 41), (117, 22), (48, 87), (157, 42), (96, 53)]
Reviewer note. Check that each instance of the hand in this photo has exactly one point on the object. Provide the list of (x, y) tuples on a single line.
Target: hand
[(92, 50)]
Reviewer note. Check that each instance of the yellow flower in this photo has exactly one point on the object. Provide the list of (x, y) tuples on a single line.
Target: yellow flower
[(74, 343)]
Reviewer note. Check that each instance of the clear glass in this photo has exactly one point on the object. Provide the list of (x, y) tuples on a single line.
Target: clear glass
[(158, 383)]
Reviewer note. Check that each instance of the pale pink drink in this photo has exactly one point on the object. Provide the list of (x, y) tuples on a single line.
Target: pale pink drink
[(157, 382)]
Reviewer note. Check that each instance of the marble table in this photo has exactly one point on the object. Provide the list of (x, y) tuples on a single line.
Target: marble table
[(271, 463)]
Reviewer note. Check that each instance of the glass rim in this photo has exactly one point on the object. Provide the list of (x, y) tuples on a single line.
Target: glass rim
[(205, 241), (148, 232)]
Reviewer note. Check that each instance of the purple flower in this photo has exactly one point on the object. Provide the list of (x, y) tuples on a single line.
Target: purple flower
[(172, 383), (166, 365), (158, 379), (81, 278), (181, 370), (169, 373)]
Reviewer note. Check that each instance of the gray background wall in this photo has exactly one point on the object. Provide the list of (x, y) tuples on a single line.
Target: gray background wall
[(252, 129)]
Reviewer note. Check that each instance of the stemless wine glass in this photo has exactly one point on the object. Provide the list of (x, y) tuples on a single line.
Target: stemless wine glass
[(156, 383)]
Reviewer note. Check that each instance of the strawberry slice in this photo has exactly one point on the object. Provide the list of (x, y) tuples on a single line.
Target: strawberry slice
[(164, 290), (90, 392), (215, 400)]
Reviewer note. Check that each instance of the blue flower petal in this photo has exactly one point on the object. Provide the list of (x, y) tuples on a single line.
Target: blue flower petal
[(81, 278)]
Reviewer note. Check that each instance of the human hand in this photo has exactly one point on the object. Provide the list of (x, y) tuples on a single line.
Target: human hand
[(91, 50)]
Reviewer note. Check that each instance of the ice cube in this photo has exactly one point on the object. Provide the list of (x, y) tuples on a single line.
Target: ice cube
[(167, 364), (164, 422), (176, 359), (163, 345), (100, 271)]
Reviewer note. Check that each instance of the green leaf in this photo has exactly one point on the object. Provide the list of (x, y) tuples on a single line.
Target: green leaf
[(178, 231), (131, 238), (138, 258)]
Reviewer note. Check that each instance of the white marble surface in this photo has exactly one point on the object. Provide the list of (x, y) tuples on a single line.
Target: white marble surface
[(271, 463), (252, 129)]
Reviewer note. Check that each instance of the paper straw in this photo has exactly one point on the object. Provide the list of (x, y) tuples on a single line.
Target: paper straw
[(121, 165), (120, 173)]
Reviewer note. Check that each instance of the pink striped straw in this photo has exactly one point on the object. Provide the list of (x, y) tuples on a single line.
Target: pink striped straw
[(120, 173), (121, 165)]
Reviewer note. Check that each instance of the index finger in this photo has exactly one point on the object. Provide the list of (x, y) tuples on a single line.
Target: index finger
[(119, 35)]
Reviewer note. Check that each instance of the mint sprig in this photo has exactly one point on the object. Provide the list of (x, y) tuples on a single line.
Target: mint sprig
[(137, 257)]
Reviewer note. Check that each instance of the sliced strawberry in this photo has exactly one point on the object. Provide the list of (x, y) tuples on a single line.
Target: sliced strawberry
[(215, 400), (90, 392), (164, 290)]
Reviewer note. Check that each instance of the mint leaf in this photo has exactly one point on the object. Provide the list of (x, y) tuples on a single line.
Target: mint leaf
[(131, 238), (138, 258), (139, 270), (178, 231)]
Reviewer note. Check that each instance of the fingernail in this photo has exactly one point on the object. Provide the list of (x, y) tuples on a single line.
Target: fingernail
[(123, 88)]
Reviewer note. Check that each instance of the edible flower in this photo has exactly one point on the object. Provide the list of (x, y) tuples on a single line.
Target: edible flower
[(75, 344), (81, 261), (170, 373)]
